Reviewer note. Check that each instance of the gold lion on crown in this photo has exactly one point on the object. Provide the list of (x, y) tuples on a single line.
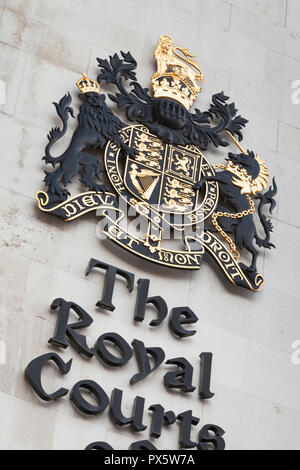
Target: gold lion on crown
[(176, 76)]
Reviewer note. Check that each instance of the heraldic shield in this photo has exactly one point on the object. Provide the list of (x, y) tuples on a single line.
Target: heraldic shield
[(164, 175), (158, 166), (161, 174), (158, 180)]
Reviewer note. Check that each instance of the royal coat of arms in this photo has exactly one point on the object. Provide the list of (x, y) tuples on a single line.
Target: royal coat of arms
[(157, 166)]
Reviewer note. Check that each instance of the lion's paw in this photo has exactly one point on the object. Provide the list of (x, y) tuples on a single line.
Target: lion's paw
[(98, 187), (132, 152), (55, 189), (49, 160)]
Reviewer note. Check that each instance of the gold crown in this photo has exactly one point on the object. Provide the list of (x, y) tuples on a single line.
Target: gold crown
[(87, 85), (176, 76)]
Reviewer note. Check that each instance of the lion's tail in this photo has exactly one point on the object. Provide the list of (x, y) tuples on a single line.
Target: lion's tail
[(63, 109), (266, 198), (192, 62)]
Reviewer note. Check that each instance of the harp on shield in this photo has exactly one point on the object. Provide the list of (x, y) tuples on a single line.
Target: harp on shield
[(144, 181)]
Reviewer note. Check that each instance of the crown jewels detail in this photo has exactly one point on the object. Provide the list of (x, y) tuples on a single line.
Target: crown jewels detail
[(87, 85), (177, 76)]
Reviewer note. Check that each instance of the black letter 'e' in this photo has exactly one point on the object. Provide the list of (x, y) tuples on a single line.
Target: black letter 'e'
[(182, 316)]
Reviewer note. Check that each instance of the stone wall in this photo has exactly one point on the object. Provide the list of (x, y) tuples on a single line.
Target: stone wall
[(251, 50)]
